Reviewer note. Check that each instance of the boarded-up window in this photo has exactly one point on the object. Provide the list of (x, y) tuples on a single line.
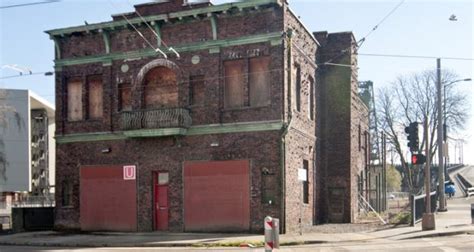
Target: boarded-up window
[(161, 88), (311, 99), (234, 83), (74, 99), (125, 94), (298, 88), (259, 81), (196, 90), (94, 91)]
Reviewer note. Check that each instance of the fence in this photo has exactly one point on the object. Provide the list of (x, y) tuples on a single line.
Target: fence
[(417, 204), (34, 201)]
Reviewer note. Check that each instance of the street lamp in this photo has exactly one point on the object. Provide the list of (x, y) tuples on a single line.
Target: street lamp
[(442, 137), (445, 85)]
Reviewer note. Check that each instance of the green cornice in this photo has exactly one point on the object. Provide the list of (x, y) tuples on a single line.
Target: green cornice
[(272, 37), (90, 137), (192, 131), (155, 132), (164, 17), (234, 128)]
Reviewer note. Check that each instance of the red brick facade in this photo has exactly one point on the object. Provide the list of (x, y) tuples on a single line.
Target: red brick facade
[(292, 132)]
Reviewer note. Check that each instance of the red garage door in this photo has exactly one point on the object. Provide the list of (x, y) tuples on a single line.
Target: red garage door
[(108, 201), (216, 196)]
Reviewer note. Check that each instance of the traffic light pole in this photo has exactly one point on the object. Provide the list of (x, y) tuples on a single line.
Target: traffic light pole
[(441, 195)]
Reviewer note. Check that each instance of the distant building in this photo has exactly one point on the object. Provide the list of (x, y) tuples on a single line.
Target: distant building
[(28, 150), (244, 121)]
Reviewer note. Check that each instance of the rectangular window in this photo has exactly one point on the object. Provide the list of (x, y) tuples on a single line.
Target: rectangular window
[(298, 88), (259, 81), (306, 183), (74, 99), (234, 83), (94, 91), (196, 90), (311, 99), (66, 193), (125, 94)]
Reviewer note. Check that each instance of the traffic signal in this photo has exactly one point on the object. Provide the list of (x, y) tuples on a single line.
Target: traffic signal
[(418, 159), (413, 141)]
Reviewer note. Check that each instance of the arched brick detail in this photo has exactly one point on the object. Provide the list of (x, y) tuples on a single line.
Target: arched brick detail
[(158, 63), (138, 83)]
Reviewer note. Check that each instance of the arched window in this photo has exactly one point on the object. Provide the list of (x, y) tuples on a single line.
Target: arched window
[(160, 88)]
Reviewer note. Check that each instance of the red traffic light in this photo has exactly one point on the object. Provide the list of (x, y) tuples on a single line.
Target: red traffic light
[(418, 159)]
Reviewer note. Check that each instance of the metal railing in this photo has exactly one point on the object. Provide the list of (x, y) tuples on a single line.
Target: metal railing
[(454, 167), (34, 201), (156, 118), (417, 205), (465, 185)]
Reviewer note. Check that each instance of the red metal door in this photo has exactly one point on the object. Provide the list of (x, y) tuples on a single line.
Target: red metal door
[(161, 201), (217, 196)]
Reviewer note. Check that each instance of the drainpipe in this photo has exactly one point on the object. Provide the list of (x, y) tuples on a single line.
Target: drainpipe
[(285, 131)]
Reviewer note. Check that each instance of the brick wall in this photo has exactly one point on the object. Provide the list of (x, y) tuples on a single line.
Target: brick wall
[(300, 140), (342, 114), (169, 154), (210, 66)]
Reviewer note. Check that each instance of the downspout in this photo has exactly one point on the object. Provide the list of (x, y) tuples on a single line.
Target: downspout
[(285, 131)]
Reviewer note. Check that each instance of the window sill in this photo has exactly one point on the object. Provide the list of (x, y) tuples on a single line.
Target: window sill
[(67, 207)]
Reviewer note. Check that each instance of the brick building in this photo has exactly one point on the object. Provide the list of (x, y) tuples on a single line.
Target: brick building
[(216, 135)]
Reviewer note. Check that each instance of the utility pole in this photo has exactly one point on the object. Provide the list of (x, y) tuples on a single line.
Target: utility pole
[(441, 195), (428, 221)]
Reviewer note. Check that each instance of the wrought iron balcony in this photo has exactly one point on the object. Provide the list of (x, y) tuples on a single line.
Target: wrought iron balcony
[(156, 119)]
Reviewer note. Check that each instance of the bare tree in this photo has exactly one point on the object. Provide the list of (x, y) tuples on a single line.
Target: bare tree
[(410, 99), (7, 113)]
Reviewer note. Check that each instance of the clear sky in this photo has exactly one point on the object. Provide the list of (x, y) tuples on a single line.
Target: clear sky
[(418, 27)]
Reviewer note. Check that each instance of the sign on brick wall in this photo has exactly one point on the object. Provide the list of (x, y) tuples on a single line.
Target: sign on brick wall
[(129, 172)]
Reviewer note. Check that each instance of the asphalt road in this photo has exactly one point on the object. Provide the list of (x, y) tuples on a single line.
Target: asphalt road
[(450, 243)]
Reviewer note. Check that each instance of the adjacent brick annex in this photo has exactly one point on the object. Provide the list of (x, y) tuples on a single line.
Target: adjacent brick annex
[(328, 140)]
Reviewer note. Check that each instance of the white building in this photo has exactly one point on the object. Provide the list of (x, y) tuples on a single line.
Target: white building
[(28, 144)]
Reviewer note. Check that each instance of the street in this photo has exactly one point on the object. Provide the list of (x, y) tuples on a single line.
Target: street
[(452, 243)]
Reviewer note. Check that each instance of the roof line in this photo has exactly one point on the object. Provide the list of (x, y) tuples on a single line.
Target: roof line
[(204, 10)]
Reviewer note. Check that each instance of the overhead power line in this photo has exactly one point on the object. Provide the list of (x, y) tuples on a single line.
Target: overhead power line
[(362, 40), (413, 56), (29, 4)]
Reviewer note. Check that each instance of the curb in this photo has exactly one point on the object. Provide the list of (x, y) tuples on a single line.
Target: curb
[(443, 234), (159, 245)]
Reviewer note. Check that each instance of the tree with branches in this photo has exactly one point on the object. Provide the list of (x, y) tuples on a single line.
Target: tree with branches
[(412, 98)]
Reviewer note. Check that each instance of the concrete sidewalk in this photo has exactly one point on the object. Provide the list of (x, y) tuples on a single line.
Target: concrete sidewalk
[(455, 221)]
